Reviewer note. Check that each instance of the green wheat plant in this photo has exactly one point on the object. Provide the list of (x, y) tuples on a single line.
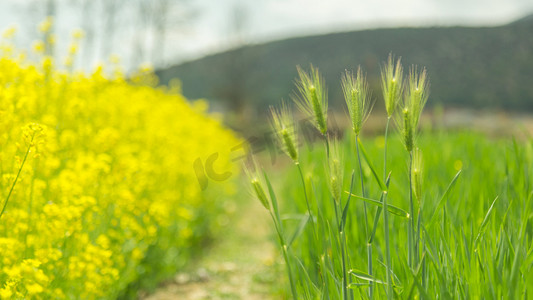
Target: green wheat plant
[(311, 98), (440, 221), (258, 183), (415, 98), (359, 103)]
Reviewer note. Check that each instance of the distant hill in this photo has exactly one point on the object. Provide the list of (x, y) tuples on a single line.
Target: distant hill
[(490, 67)]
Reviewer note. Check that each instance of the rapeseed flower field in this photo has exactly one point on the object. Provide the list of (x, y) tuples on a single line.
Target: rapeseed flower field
[(98, 191)]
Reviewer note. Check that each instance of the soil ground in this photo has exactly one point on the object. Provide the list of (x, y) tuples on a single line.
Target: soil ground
[(241, 265)]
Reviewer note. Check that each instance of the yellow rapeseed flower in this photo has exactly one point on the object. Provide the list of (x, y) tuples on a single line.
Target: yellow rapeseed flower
[(109, 176)]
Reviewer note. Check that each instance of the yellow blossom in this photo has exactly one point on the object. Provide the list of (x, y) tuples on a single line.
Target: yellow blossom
[(109, 173)]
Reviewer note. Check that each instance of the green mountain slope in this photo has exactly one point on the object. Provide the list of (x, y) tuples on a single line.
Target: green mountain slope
[(489, 67)]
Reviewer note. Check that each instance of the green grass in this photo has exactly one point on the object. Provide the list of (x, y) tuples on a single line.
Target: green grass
[(473, 238), (454, 207)]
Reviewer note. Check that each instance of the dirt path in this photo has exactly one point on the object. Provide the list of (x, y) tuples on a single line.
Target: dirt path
[(240, 266)]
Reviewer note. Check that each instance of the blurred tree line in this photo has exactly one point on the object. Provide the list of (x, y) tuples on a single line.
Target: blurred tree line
[(477, 67), (105, 23)]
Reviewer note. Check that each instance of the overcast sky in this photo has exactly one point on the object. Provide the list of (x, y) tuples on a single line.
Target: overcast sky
[(214, 27), (275, 19), (286, 17)]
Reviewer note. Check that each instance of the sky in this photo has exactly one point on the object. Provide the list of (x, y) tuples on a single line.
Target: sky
[(211, 25), (310, 15), (277, 19)]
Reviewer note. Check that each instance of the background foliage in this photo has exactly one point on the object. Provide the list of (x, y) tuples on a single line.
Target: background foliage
[(486, 67)]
